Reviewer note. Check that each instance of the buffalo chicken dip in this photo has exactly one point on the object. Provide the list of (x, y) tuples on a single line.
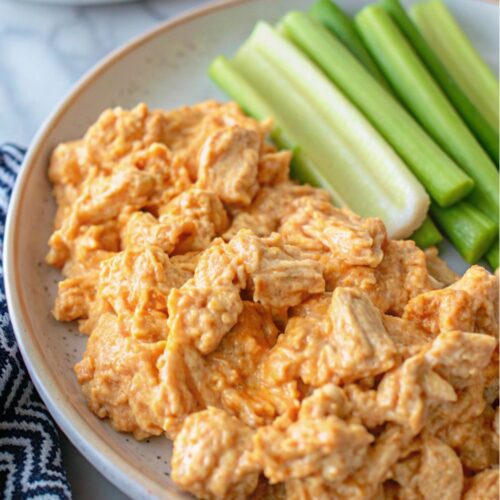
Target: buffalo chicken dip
[(289, 348)]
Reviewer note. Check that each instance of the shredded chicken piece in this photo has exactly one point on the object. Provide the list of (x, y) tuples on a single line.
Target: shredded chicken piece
[(348, 239), (134, 285), (459, 355), (484, 486), (349, 344), (474, 440), (483, 288), (274, 168), (438, 268), (361, 344), (440, 474), (280, 275), (109, 376), (271, 206), (143, 228), (288, 347), (408, 338), (74, 297), (400, 276), (228, 165), (470, 305), (403, 391), (211, 457), (322, 444)]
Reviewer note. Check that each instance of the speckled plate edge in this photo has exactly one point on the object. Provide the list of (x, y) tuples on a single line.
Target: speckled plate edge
[(118, 470)]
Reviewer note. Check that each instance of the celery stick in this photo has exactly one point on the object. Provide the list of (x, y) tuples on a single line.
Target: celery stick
[(417, 89), (229, 80), (439, 174), (340, 24), (456, 52), (492, 256), (333, 149), (470, 231), (427, 235), (373, 170), (478, 125)]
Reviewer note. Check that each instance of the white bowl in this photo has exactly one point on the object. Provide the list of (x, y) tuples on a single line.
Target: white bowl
[(165, 68)]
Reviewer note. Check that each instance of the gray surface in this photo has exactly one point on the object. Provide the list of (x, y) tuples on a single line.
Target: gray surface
[(86, 481)]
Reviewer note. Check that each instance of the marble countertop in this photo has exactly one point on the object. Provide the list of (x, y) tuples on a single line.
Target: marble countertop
[(45, 48)]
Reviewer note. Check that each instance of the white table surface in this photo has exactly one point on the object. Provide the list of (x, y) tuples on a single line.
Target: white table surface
[(44, 50)]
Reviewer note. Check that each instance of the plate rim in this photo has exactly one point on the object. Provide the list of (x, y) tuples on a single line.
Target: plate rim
[(109, 463)]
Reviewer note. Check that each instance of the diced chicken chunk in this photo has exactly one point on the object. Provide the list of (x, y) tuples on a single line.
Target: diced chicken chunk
[(473, 440), (483, 288), (348, 239), (112, 362), (228, 165), (361, 344), (203, 310), (134, 284), (74, 297), (274, 168), (438, 268), (381, 457), (364, 405), (66, 166), (143, 228), (403, 391), (206, 212), (408, 338), (243, 348), (327, 446), (185, 130), (470, 304), (325, 401), (118, 133), (459, 355), (280, 276), (271, 206), (203, 316), (348, 343), (211, 456), (400, 276), (441, 311), (303, 351), (484, 486), (440, 476)]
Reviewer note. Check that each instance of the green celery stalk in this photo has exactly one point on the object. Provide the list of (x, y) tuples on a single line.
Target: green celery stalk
[(229, 80), (478, 125), (372, 178), (318, 141), (492, 256), (470, 231), (427, 235), (339, 23), (418, 90), (443, 179), (456, 52)]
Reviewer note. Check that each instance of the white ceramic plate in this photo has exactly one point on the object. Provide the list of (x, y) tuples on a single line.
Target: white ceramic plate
[(165, 68)]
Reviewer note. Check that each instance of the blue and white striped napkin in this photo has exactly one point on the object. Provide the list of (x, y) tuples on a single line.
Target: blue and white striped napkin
[(30, 453)]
